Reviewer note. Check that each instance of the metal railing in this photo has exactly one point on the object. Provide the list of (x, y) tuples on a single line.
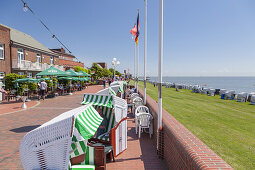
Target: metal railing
[(32, 66)]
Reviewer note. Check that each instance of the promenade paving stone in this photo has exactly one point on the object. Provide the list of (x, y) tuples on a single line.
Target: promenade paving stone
[(140, 154), (14, 106), (15, 125)]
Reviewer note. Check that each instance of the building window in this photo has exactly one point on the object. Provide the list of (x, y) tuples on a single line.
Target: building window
[(20, 73), (51, 60), (20, 55), (29, 75), (1, 51), (2, 74), (39, 58)]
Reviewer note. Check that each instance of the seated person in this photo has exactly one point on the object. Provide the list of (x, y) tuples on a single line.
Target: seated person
[(102, 128)]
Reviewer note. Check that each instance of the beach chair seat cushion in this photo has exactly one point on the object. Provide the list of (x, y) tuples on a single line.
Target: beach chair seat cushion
[(83, 167)]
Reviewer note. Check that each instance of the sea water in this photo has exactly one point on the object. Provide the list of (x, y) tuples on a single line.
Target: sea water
[(238, 84)]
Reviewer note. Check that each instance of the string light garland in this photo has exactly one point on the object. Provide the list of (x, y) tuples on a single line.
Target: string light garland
[(26, 8)]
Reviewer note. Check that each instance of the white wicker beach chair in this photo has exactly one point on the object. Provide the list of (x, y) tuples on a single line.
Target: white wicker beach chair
[(48, 146), (253, 99), (241, 97), (211, 92)]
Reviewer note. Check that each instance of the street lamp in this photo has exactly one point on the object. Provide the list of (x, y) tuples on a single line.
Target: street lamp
[(115, 63)]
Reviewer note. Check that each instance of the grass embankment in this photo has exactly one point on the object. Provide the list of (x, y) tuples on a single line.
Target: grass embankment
[(227, 127)]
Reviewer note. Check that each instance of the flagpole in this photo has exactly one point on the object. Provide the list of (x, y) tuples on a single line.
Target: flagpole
[(135, 66), (160, 59), (145, 49), (137, 50)]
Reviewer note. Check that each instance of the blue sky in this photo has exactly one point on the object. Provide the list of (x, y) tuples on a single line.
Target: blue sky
[(201, 37)]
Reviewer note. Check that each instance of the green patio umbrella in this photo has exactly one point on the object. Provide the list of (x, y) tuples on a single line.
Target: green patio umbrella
[(52, 72), (68, 78), (71, 73), (44, 78), (79, 74), (84, 73), (25, 80)]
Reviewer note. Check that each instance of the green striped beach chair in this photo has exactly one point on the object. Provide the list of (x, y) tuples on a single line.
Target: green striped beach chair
[(115, 111), (85, 126), (103, 102)]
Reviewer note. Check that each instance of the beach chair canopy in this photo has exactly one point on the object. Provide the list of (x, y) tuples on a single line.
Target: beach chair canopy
[(112, 102), (48, 146), (120, 84), (108, 91)]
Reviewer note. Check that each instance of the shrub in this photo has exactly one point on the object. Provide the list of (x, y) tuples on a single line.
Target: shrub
[(10, 78)]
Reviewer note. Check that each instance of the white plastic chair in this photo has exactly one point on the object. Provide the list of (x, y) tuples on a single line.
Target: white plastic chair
[(137, 101), (144, 122), (139, 110), (134, 95)]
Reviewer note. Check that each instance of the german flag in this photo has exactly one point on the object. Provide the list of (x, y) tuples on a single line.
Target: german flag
[(137, 27)]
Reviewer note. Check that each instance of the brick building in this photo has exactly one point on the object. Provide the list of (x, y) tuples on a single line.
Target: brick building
[(103, 65), (23, 54), (5, 61), (66, 60)]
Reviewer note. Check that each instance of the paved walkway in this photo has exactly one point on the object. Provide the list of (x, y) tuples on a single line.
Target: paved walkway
[(15, 106), (140, 154), (15, 125)]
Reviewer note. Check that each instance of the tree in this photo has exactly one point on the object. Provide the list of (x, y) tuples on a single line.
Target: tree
[(98, 71), (79, 68), (117, 73), (106, 73)]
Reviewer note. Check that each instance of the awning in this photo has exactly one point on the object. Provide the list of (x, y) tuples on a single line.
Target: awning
[(97, 99)]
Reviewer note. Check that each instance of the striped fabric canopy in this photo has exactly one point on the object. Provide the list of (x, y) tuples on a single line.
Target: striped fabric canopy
[(87, 122), (99, 100), (111, 91), (85, 126)]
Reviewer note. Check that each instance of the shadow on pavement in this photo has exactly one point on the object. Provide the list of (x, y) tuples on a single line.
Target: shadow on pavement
[(24, 129)]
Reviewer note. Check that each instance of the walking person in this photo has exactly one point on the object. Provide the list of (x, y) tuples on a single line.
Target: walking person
[(109, 82), (43, 88), (104, 83)]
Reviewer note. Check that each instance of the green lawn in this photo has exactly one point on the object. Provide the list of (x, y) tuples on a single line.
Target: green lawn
[(227, 127)]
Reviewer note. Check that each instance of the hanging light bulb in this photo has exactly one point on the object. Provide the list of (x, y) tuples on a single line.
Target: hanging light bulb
[(25, 8), (53, 36)]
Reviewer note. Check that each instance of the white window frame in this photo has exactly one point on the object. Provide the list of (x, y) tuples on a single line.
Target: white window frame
[(38, 57), (20, 52), (29, 75), (2, 49), (51, 60), (2, 74), (20, 73)]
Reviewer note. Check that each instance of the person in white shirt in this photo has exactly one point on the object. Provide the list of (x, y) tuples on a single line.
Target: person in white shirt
[(43, 88)]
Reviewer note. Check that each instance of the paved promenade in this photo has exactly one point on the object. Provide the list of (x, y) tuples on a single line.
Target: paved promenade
[(140, 154), (15, 125)]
